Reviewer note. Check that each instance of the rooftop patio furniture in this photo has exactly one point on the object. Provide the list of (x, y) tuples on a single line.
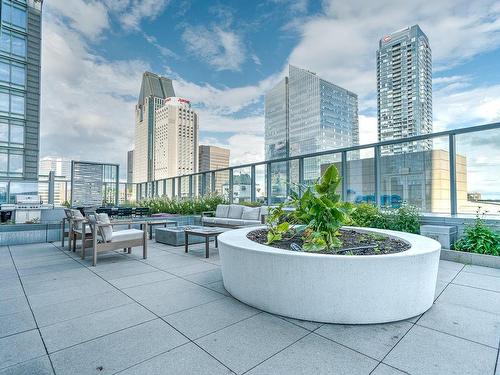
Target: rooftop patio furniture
[(104, 238), (235, 215), (141, 211), (176, 237), (76, 228), (204, 232)]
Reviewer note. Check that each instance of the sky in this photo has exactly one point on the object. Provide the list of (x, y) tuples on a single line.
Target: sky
[(224, 56)]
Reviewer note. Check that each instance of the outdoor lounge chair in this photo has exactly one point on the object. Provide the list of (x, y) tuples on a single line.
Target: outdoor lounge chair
[(75, 222), (104, 238)]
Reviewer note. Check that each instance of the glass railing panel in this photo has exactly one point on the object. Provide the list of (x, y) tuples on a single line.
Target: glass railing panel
[(222, 183), (478, 172), (416, 173), (184, 193), (242, 185), (294, 183), (314, 168), (279, 182), (260, 184), (360, 176), (168, 187)]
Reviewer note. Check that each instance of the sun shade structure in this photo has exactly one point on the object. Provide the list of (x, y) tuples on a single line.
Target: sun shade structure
[(94, 184)]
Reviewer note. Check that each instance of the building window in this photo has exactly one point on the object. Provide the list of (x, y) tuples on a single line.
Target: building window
[(13, 15), (13, 43), (13, 103), (15, 163), (4, 157)]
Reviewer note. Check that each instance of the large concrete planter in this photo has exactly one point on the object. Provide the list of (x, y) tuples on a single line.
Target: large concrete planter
[(345, 289)]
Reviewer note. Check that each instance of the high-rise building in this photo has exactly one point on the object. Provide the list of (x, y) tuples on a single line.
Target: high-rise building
[(130, 166), (213, 157), (154, 90), (404, 89), (305, 113), (175, 139), (20, 45), (60, 166)]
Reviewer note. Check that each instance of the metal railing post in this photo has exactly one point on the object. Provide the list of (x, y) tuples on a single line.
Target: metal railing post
[(231, 189), (253, 192), (453, 174), (212, 183), (344, 175), (191, 186), (377, 175), (269, 185), (203, 184)]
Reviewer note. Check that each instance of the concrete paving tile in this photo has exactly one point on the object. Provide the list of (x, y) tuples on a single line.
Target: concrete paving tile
[(47, 286), (38, 366), (13, 305), (193, 269), (17, 322), (171, 296), (123, 269), (446, 274), (310, 326), (425, 351), (206, 277), (247, 343), (118, 351), (482, 270), (61, 275), (374, 340), (71, 332), (202, 320), (387, 370), (66, 265), (440, 286), (475, 325), (141, 279), (89, 288), (477, 299), (21, 347), (187, 359), (315, 355), (218, 286), (10, 288), (477, 280), (50, 314)]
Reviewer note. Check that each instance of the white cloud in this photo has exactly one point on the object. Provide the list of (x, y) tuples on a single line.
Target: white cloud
[(245, 148), (89, 18), (140, 9), (340, 43), (222, 49)]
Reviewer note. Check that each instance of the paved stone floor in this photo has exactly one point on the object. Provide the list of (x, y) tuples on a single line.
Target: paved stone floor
[(170, 314)]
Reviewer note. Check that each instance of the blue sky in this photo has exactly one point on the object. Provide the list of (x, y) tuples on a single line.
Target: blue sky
[(224, 55)]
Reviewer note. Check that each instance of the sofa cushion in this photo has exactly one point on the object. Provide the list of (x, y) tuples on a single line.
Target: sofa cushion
[(127, 235), (233, 222), (250, 213), (251, 222), (209, 220), (222, 210), (106, 231), (235, 211)]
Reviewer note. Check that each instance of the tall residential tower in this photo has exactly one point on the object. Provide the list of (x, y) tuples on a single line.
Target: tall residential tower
[(404, 89), (20, 45)]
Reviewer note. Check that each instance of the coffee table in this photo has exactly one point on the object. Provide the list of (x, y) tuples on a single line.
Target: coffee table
[(163, 222), (205, 232)]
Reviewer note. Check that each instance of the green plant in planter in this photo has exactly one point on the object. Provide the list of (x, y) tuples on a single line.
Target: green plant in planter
[(318, 212), (478, 238)]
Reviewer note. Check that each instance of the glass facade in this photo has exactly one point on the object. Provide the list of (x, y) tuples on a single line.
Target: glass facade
[(404, 89), (20, 32)]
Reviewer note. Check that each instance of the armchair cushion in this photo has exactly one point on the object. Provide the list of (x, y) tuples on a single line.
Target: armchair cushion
[(250, 213), (106, 231), (127, 234), (235, 211), (222, 210)]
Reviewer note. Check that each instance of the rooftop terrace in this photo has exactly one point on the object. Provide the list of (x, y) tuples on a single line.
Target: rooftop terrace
[(170, 314)]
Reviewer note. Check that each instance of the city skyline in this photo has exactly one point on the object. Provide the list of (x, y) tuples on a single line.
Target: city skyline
[(228, 91)]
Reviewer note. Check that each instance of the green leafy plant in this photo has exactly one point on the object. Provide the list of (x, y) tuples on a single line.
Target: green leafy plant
[(318, 214), (405, 218), (182, 206), (478, 238)]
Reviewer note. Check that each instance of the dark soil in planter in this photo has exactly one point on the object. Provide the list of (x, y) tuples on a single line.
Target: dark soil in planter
[(353, 243)]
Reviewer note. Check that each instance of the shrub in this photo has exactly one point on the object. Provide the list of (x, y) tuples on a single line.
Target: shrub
[(478, 238), (405, 218), (182, 206)]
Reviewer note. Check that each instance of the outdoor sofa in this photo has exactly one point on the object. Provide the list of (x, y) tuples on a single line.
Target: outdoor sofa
[(234, 215)]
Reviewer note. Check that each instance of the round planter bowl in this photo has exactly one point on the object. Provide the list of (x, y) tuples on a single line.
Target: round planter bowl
[(347, 289)]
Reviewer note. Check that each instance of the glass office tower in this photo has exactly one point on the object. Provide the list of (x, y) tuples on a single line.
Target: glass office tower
[(404, 89), (20, 37), (306, 114)]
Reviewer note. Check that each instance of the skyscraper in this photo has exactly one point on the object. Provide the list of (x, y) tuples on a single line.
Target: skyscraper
[(175, 139), (213, 157), (20, 44), (305, 113), (130, 166), (404, 89), (154, 90)]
